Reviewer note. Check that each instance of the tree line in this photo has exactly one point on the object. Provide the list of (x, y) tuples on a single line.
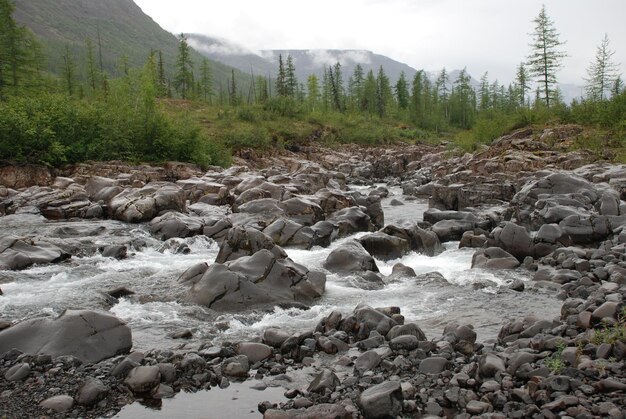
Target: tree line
[(139, 128)]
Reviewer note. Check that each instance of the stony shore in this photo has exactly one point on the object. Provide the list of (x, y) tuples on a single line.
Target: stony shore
[(522, 205)]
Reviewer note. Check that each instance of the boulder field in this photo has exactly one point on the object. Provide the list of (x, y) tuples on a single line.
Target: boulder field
[(559, 215)]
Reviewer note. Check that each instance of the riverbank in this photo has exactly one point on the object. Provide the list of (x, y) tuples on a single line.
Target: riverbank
[(542, 222)]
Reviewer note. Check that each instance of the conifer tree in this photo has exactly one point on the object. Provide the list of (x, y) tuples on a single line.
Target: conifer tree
[(206, 80), (522, 82), (370, 90), (69, 70), (291, 81), (183, 79), (281, 78), (92, 72), (162, 90), (402, 92), (313, 92), (383, 93), (355, 86), (232, 91), (546, 57), (602, 72), (417, 97)]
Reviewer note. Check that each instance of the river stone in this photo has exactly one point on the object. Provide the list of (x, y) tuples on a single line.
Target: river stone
[(143, 379), (406, 329), (420, 240), (515, 240), (350, 257), (17, 372), (490, 364), (275, 337), (246, 241), (20, 253), (254, 351), (259, 279), (237, 366), (607, 309), (384, 246), (475, 407), (137, 205), (449, 230), (404, 342), (326, 379), (383, 400), (174, 224), (433, 365), (88, 335), (350, 220), (91, 392), (59, 404), (494, 258), (116, 251), (367, 361), (318, 411)]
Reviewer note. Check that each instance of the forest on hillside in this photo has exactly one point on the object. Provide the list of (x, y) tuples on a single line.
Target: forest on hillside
[(86, 112)]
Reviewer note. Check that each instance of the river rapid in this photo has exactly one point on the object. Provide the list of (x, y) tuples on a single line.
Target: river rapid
[(478, 297)]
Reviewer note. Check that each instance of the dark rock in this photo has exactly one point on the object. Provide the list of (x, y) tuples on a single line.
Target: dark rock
[(246, 241), (174, 224), (383, 400), (367, 361), (515, 240), (384, 246), (350, 257), (90, 336), (433, 365), (91, 392), (143, 379), (494, 258), (20, 253), (254, 351), (115, 251), (325, 380), (18, 372)]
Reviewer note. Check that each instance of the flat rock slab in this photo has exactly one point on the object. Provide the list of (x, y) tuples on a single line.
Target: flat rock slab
[(88, 335)]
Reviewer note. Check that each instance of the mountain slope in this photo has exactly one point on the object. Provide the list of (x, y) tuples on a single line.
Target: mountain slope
[(124, 29)]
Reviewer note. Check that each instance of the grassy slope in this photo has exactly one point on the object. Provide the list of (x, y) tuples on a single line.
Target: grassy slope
[(124, 30)]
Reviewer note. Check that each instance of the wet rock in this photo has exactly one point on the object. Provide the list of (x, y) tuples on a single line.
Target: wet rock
[(325, 380), (351, 220), (367, 361), (409, 329), (449, 230), (174, 224), (20, 253), (91, 392), (515, 240), (246, 241), (88, 335), (18, 372), (433, 365), (494, 258), (517, 285), (350, 257), (490, 364), (254, 280), (254, 351), (384, 246), (137, 205), (275, 337), (302, 211), (118, 251), (143, 379), (59, 404), (237, 366), (419, 240), (383, 400), (404, 342)]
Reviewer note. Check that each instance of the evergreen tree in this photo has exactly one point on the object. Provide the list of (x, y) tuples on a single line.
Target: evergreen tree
[(618, 86), (92, 72), (162, 89), (602, 72), (370, 91), (232, 91), (545, 57), (313, 92), (281, 79), (262, 89), (402, 92), (417, 97), (183, 79), (326, 91), (355, 87), (462, 101), (291, 81), (383, 93), (206, 80), (69, 70), (522, 82), (484, 92), (336, 86)]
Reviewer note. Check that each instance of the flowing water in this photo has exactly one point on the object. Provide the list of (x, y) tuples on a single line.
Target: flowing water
[(473, 296)]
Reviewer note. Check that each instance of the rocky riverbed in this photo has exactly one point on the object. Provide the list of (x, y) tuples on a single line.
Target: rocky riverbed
[(374, 283)]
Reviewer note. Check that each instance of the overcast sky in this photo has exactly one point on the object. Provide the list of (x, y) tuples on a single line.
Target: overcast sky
[(482, 35)]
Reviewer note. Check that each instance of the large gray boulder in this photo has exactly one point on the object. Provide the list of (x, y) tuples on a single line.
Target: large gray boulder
[(174, 224), (302, 211), (246, 241), (494, 258), (350, 257), (450, 230), (383, 246), (260, 279), (351, 220), (381, 401), (137, 205), (88, 335), (20, 253), (420, 240), (515, 240)]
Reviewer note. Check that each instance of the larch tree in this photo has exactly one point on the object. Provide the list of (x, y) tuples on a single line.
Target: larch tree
[(522, 83), (92, 72), (291, 81), (546, 56), (402, 91), (281, 78), (602, 72), (206, 80), (69, 69), (183, 79), (313, 92)]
